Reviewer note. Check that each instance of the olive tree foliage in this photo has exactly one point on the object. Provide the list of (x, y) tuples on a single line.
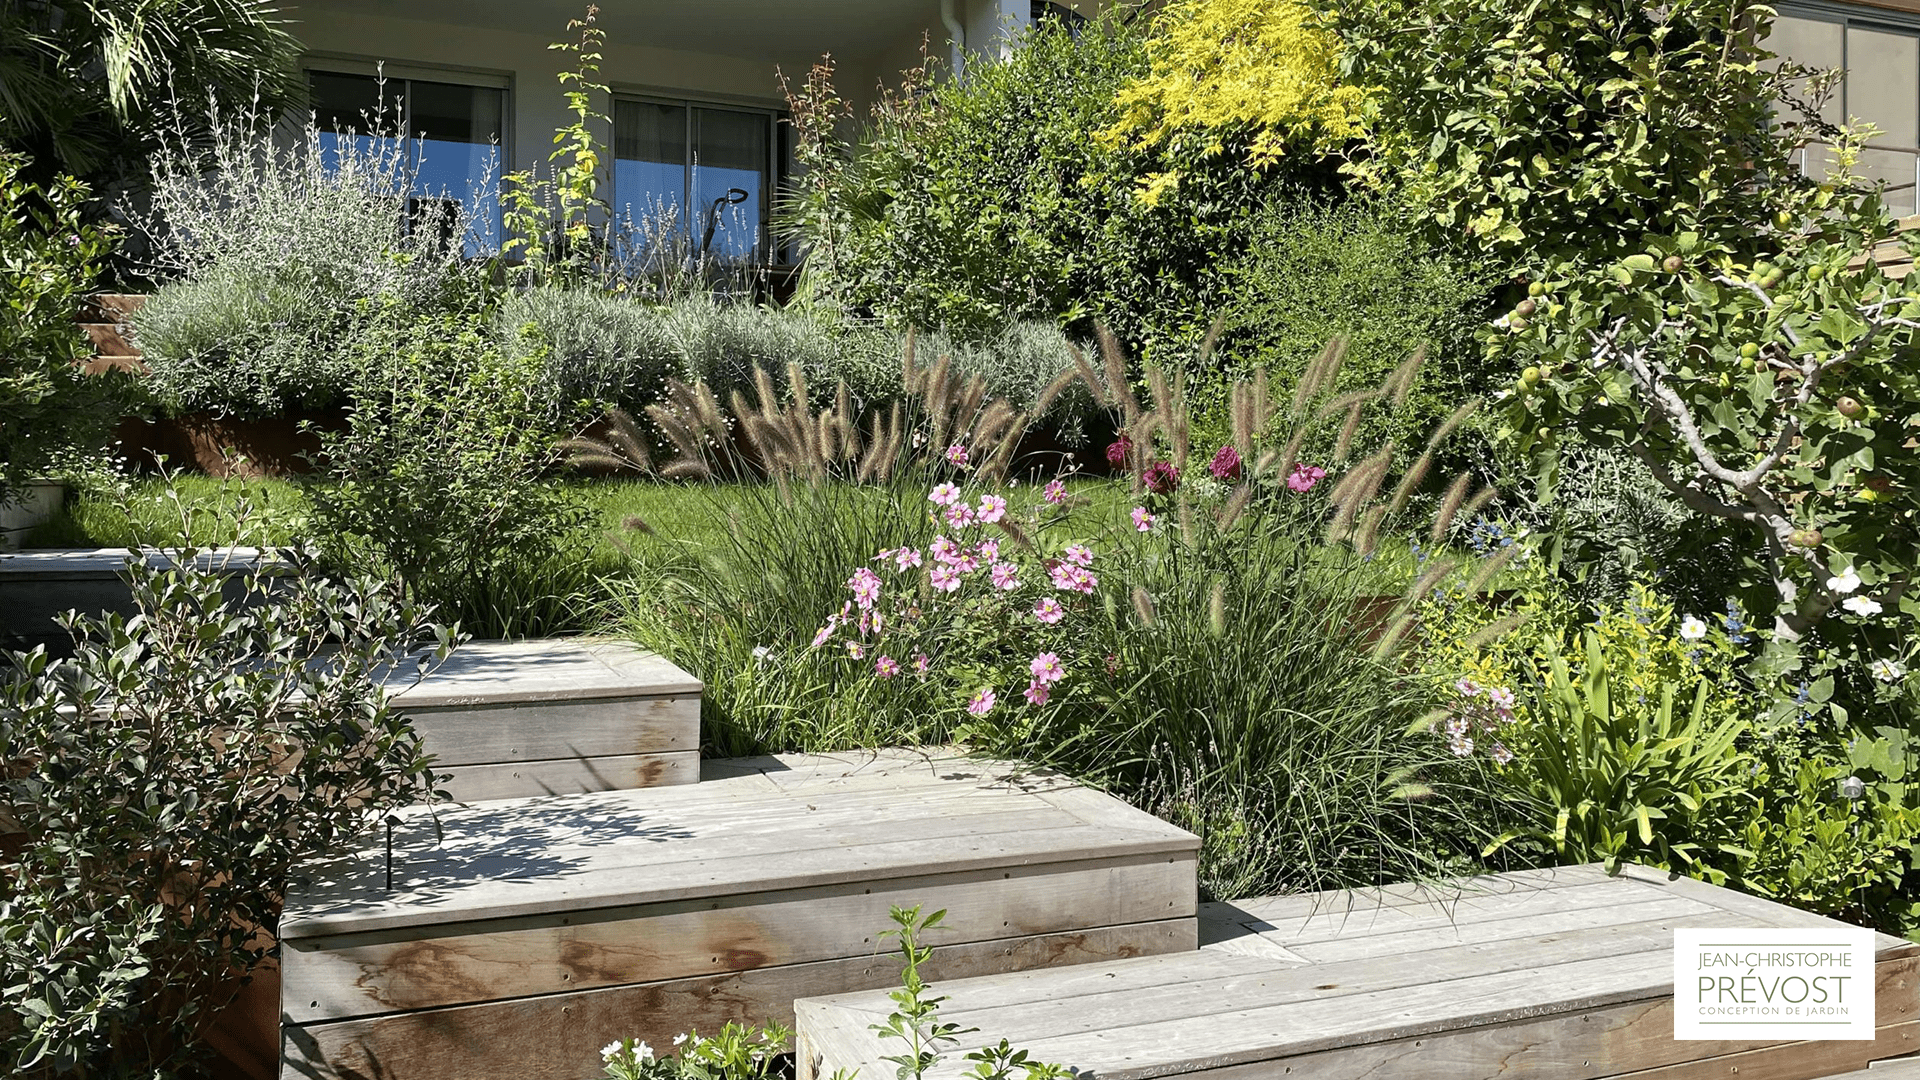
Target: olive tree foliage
[(1689, 295), (160, 785)]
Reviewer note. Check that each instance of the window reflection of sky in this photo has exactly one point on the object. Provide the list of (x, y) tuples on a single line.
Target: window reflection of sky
[(467, 172)]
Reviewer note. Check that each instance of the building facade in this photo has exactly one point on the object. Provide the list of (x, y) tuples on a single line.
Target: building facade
[(697, 97)]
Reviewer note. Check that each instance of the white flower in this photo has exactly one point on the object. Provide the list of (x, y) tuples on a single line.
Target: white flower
[(610, 1051), (1844, 582), (1888, 671), (1862, 606), (680, 1038), (1692, 629), (642, 1052)]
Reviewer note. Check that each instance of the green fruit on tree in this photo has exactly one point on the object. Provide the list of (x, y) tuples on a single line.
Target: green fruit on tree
[(1783, 220), (1850, 408), (1673, 264), (1815, 273), (1747, 363), (1530, 377), (1537, 288), (1749, 351), (1525, 308), (1518, 323), (1674, 310)]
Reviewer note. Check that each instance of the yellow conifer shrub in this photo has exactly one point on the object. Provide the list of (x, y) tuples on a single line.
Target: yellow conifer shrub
[(1221, 66)]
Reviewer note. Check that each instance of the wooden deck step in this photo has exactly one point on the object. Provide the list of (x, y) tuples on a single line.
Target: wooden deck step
[(513, 719), (1544, 974), (531, 933), (1894, 1069)]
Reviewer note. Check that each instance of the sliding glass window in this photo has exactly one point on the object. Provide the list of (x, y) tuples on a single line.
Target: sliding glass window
[(1880, 62), (698, 176), (454, 135)]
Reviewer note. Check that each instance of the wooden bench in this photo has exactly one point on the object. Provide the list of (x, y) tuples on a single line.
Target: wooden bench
[(1545, 974), (514, 719), (533, 932)]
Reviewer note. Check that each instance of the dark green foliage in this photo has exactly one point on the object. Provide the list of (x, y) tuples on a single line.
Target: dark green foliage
[(437, 480), (1542, 131), (1312, 274), (82, 81), (165, 783), (49, 260), (993, 200)]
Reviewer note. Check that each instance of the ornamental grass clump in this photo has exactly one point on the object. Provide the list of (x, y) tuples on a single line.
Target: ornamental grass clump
[(1233, 665)]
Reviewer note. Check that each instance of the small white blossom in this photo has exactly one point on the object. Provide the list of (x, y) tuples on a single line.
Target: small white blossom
[(1863, 606), (1692, 628), (1845, 581), (680, 1038), (610, 1051), (1888, 671)]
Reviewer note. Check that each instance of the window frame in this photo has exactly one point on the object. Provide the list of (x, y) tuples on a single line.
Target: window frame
[(1848, 17), (773, 253)]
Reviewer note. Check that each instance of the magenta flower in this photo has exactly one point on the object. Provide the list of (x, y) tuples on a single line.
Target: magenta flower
[(1501, 697), (957, 455), (1225, 464), (1501, 755), (1079, 554), (886, 667), (1056, 491), (965, 562), (1038, 693), (1046, 668), (1142, 520), (921, 664), (1118, 450), (1069, 578), (1162, 477), (1006, 576), (856, 650), (945, 578), (866, 587), (943, 549), (1467, 688), (1303, 477), (992, 508), (944, 495), (906, 558), (988, 550), (885, 554), (959, 515), (820, 636), (982, 701), (1049, 611)]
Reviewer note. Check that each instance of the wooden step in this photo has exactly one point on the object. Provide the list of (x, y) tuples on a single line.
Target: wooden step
[(1543, 974), (36, 586), (514, 719), (533, 932), (1892, 1069)]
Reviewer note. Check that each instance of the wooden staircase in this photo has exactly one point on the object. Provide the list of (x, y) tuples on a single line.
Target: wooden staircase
[(589, 891)]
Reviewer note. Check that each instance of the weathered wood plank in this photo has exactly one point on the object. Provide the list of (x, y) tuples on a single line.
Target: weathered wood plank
[(1193, 988), (527, 779), (1520, 923), (1410, 920), (1769, 912), (1349, 903), (1402, 1040), (490, 672), (501, 860), (361, 974), (1803, 1060), (599, 727), (558, 1036)]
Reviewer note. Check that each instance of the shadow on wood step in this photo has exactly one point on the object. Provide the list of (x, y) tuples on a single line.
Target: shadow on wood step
[(1543, 974), (537, 931)]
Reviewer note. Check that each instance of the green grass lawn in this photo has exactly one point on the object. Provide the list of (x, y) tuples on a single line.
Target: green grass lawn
[(654, 520)]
